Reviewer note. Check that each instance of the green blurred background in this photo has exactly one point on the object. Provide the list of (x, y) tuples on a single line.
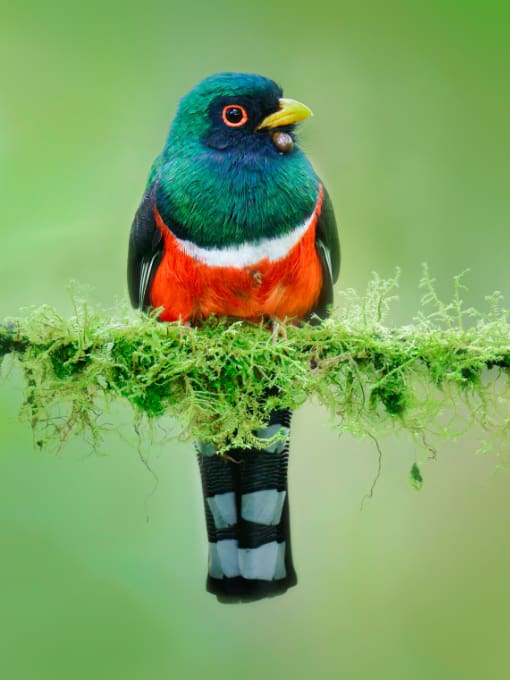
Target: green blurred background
[(99, 576)]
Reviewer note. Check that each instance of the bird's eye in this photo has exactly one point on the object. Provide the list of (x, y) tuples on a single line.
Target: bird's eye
[(234, 115)]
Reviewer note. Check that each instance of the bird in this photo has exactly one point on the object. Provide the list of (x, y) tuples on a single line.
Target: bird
[(235, 222)]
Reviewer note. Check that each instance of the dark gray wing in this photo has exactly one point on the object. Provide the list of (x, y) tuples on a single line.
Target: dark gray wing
[(145, 251), (328, 249)]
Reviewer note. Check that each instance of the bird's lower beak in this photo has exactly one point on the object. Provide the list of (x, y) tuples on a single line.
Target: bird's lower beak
[(290, 112)]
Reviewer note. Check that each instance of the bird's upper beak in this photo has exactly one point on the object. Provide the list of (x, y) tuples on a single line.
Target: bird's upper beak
[(290, 112)]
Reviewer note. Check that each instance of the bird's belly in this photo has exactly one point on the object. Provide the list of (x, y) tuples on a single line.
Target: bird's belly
[(189, 289)]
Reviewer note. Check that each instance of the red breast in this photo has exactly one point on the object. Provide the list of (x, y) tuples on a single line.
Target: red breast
[(189, 289)]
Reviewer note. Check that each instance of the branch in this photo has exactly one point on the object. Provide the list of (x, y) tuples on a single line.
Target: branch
[(445, 372)]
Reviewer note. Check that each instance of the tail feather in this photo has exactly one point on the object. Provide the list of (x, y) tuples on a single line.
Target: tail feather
[(247, 517)]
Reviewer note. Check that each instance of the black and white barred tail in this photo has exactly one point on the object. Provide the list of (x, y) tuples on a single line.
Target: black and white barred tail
[(247, 516)]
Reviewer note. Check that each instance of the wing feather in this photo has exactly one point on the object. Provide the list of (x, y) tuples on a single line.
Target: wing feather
[(145, 251), (328, 249)]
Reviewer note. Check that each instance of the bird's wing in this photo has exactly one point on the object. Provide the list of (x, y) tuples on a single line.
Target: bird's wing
[(328, 249), (145, 251)]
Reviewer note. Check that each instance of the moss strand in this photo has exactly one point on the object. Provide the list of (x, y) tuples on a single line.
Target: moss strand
[(216, 379)]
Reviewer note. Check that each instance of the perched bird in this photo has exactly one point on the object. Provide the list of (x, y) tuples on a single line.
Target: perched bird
[(235, 222)]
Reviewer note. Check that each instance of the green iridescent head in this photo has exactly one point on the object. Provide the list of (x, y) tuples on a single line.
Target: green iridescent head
[(231, 170)]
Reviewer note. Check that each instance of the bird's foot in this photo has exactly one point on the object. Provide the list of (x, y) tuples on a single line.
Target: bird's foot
[(279, 331)]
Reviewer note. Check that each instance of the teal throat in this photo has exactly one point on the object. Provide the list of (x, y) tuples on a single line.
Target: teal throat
[(221, 198)]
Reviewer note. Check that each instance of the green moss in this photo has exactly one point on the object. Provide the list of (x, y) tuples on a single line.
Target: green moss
[(392, 393), (66, 360), (415, 477), (220, 381)]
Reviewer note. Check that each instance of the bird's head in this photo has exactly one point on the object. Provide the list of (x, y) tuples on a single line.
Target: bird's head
[(230, 170), (245, 113)]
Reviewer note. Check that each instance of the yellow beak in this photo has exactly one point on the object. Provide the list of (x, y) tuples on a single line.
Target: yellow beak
[(290, 112)]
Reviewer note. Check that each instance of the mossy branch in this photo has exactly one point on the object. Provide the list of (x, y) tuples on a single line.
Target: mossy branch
[(222, 380)]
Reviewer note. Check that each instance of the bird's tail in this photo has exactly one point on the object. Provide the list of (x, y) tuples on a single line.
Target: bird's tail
[(247, 516)]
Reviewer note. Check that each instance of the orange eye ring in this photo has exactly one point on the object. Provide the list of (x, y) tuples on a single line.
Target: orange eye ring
[(230, 115)]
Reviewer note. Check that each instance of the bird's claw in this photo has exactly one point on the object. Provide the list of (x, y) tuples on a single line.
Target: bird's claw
[(279, 331)]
